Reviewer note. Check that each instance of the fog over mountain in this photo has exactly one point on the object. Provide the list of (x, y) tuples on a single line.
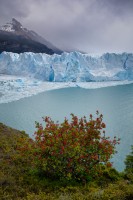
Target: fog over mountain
[(93, 26)]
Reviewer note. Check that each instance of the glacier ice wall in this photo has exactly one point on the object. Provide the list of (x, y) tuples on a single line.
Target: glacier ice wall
[(68, 67)]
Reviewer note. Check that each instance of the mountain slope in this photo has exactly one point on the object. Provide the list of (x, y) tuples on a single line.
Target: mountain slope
[(19, 44), (15, 38)]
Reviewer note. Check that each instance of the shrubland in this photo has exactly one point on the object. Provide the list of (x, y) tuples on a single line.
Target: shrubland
[(68, 160)]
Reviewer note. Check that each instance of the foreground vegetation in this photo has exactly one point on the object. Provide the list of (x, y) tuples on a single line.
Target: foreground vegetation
[(72, 166)]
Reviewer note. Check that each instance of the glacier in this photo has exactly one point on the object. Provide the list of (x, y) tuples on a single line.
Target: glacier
[(68, 67), (13, 88), (26, 74)]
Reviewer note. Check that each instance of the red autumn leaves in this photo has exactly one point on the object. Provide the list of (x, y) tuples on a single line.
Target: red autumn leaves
[(76, 149)]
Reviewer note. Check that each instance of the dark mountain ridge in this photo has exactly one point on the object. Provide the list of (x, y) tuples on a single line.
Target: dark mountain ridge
[(15, 38)]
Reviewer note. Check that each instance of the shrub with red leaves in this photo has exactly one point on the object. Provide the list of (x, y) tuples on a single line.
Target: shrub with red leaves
[(77, 149)]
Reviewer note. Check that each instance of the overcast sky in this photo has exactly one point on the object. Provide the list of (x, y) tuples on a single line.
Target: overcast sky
[(93, 26)]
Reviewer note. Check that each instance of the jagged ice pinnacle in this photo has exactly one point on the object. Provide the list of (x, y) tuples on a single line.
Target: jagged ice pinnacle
[(68, 67)]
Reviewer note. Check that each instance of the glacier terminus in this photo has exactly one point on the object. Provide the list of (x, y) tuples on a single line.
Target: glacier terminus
[(68, 67), (26, 74)]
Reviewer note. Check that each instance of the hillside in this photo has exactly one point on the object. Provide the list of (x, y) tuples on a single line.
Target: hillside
[(15, 38), (18, 180), (11, 172), (19, 44)]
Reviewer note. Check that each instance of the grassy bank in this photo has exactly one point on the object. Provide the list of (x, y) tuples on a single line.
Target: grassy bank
[(19, 180)]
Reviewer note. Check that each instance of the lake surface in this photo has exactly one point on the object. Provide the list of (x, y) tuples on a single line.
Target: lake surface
[(115, 103)]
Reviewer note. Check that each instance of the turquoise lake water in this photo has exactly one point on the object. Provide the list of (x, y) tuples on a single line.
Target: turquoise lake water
[(115, 103)]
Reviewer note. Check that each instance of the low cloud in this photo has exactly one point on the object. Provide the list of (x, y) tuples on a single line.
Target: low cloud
[(88, 25)]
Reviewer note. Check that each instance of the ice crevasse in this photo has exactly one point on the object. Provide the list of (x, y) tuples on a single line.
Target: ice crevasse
[(68, 67)]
